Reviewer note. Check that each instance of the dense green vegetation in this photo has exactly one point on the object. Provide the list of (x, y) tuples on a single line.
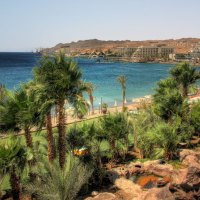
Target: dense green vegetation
[(64, 162)]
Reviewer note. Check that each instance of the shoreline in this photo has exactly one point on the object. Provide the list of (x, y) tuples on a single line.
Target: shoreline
[(129, 60), (132, 108)]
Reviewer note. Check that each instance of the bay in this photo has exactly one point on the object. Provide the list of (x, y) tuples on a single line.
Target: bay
[(141, 77)]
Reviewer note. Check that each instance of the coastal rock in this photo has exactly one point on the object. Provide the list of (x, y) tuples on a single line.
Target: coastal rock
[(189, 157), (159, 169), (128, 187), (188, 179), (103, 196), (156, 194)]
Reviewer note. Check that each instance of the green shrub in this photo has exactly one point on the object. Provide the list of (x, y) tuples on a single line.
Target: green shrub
[(195, 117), (57, 183)]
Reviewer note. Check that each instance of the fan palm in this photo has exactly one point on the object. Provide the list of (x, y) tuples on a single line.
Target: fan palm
[(167, 99), (27, 115), (7, 110), (90, 87), (195, 117), (20, 111), (185, 76), (60, 183), (122, 80), (141, 123), (2, 92), (115, 127), (12, 159), (45, 102), (62, 80), (166, 136)]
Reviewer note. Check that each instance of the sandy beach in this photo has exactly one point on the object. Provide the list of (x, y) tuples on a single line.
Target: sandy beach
[(132, 108)]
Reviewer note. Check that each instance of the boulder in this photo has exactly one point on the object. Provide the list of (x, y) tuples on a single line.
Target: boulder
[(189, 157), (159, 169), (156, 194), (103, 196), (182, 195), (188, 178), (128, 187)]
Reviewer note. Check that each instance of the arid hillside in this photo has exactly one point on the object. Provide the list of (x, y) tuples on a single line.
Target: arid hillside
[(182, 45)]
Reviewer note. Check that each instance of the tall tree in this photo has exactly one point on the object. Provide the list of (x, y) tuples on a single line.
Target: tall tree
[(167, 99), (12, 161), (90, 87), (115, 127), (20, 112), (2, 92), (122, 80), (46, 100), (61, 79), (185, 76)]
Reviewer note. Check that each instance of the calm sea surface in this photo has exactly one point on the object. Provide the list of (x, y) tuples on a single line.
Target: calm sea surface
[(142, 77)]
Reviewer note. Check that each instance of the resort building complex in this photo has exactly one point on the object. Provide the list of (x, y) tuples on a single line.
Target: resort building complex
[(145, 52)]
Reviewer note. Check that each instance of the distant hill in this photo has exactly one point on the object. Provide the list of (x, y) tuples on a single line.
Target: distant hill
[(182, 45)]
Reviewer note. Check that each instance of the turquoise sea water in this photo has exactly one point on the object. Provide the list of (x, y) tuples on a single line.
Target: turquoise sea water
[(141, 77)]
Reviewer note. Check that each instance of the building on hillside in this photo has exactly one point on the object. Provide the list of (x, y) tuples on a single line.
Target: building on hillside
[(145, 53), (164, 52), (125, 51), (180, 57), (195, 53), (149, 53)]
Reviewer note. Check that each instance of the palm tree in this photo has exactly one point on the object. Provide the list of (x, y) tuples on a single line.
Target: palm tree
[(141, 123), (57, 183), (7, 117), (61, 79), (185, 76), (122, 80), (20, 112), (90, 87), (165, 135), (167, 99), (2, 92), (115, 127), (46, 101), (12, 160), (80, 106), (46, 104), (27, 114)]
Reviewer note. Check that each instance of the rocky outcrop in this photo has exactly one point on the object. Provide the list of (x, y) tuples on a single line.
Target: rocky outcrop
[(156, 194), (186, 182), (189, 157), (188, 179), (128, 187), (171, 184), (159, 169), (103, 196)]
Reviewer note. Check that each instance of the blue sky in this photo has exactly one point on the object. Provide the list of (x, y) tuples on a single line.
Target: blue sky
[(29, 24)]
